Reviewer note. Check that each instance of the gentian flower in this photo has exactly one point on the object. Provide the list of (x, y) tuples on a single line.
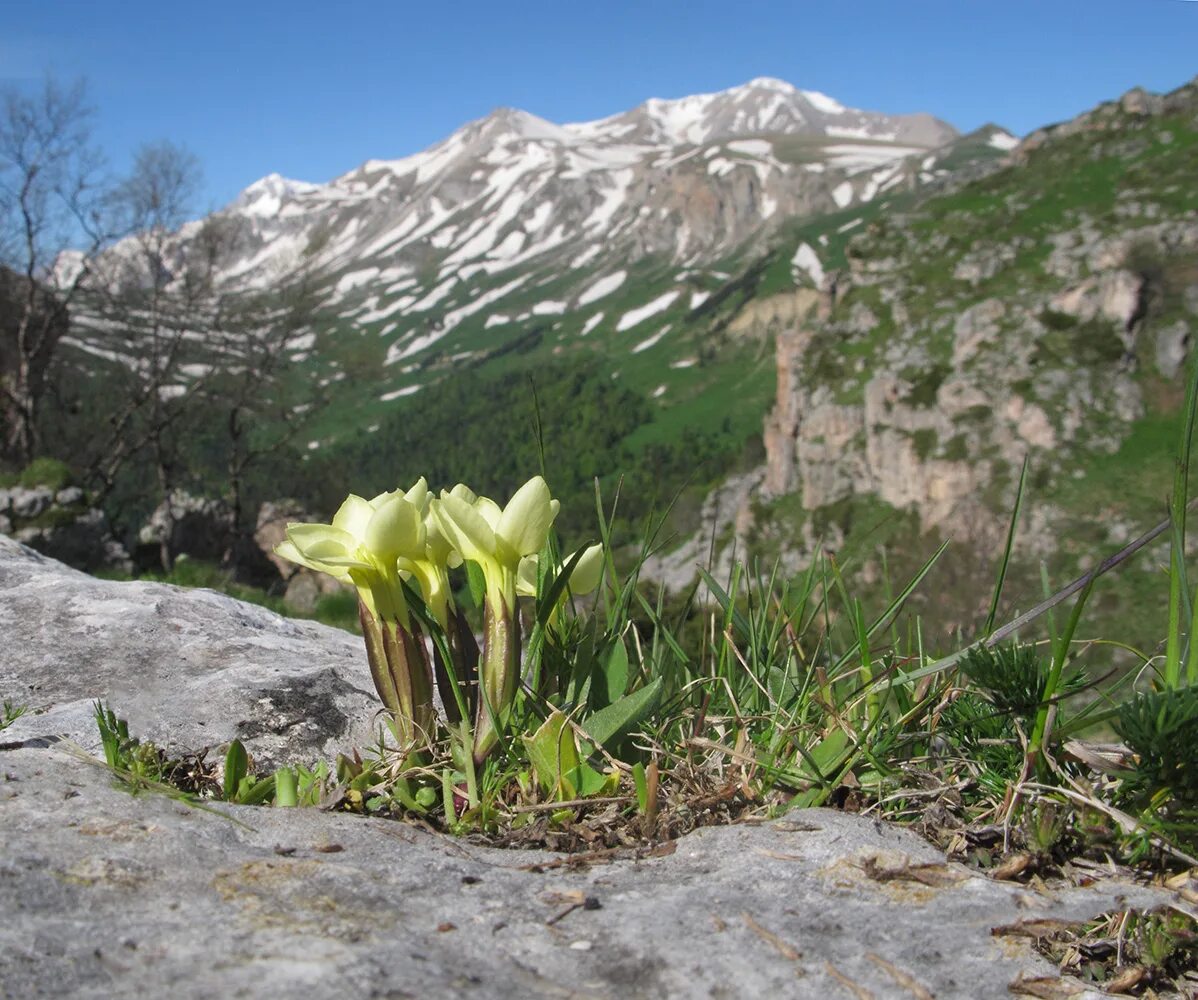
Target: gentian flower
[(496, 540)]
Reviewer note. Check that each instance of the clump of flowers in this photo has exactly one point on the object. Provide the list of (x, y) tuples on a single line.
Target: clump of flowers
[(397, 550)]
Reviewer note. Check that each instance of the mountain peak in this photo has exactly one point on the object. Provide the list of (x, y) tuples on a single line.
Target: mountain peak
[(524, 125), (768, 83)]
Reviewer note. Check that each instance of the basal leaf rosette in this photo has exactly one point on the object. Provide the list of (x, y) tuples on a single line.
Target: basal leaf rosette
[(496, 539), (369, 544)]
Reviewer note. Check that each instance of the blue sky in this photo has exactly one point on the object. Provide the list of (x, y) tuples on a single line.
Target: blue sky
[(312, 90)]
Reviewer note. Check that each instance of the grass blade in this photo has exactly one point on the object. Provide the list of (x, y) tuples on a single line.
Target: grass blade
[(1006, 555)]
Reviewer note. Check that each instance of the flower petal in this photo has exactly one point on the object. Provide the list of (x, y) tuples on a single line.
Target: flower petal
[(463, 527), (463, 492), (490, 510), (353, 516), (526, 576), (588, 570), (395, 529), (316, 541), (418, 495), (527, 517)]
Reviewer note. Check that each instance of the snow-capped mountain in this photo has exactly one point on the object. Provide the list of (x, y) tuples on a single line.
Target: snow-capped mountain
[(514, 223), (689, 178)]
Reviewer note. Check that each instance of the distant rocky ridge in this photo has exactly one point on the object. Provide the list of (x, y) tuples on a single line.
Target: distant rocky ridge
[(513, 225)]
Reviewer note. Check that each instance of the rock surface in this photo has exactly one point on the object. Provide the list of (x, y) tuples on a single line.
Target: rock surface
[(186, 668), (106, 894)]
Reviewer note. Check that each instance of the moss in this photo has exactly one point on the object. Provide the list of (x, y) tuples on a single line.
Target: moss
[(979, 415), (956, 448), (925, 442), (1094, 343), (1057, 320), (925, 383), (51, 517)]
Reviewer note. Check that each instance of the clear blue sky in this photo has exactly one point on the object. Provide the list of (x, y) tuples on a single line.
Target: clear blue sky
[(312, 90)]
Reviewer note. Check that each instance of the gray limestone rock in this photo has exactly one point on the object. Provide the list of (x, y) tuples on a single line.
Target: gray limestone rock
[(195, 526), (30, 503), (107, 894), (70, 496), (186, 668)]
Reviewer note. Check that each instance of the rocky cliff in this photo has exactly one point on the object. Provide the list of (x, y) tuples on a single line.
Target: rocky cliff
[(1043, 310)]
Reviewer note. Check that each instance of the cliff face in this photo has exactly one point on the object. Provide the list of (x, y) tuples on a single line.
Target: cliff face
[(1044, 310)]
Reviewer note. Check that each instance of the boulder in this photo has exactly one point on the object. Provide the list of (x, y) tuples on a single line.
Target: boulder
[(304, 587), (187, 668), (28, 503), (84, 540), (198, 527), (107, 894), (271, 529)]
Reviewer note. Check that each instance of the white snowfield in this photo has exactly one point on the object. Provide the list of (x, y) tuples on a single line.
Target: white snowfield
[(806, 259), (635, 317), (602, 287)]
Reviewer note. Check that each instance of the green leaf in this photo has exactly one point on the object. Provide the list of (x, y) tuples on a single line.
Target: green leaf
[(286, 788), (549, 601), (554, 755), (827, 755), (615, 672), (254, 793), (237, 765), (477, 582), (590, 782), (642, 787), (618, 718)]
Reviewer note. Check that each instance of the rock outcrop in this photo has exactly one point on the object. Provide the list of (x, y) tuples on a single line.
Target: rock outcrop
[(61, 523), (304, 588), (187, 668)]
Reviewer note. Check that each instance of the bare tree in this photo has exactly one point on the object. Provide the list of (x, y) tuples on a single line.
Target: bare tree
[(50, 199), (195, 351)]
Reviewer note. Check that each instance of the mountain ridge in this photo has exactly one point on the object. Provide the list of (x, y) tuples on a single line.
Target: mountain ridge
[(440, 253)]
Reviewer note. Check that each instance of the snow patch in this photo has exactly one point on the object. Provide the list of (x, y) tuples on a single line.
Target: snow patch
[(591, 323), (719, 166), (1003, 141), (613, 197), (636, 316), (842, 194), (588, 255), (751, 147), (602, 287), (407, 390), (648, 342), (698, 298), (824, 103), (806, 259)]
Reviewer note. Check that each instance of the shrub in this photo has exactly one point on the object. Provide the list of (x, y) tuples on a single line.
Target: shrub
[(48, 472)]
